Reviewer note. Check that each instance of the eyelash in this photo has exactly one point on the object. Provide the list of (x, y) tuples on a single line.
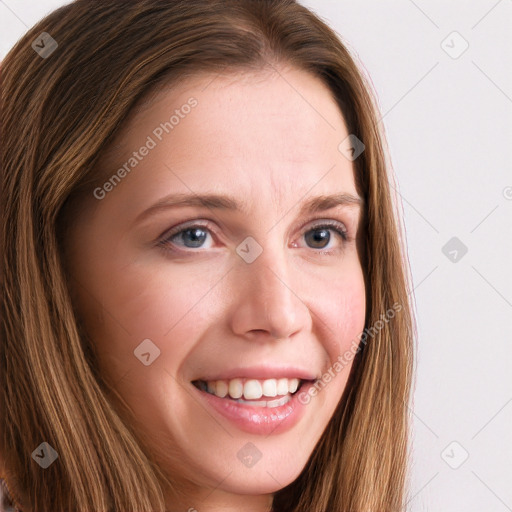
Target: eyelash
[(166, 244)]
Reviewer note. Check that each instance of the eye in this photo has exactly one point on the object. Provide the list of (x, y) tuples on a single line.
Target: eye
[(195, 235), (192, 237), (319, 235)]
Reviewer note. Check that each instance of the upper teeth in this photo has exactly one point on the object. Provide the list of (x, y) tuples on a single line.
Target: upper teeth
[(252, 389)]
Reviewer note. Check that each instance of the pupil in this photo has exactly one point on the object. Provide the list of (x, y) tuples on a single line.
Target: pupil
[(196, 237), (320, 235)]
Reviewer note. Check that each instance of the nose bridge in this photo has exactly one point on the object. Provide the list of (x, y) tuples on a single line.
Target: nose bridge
[(271, 274), (267, 297)]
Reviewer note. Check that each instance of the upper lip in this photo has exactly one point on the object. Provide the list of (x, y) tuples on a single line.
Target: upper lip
[(260, 372)]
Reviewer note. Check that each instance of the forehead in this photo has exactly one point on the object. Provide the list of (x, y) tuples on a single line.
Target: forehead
[(267, 134), (283, 97)]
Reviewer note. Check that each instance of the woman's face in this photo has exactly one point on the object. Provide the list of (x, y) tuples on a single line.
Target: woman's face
[(239, 293)]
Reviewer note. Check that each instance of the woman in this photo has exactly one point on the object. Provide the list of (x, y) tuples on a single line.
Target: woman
[(264, 366)]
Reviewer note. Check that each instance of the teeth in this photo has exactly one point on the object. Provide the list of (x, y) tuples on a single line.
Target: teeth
[(271, 403), (293, 385), (252, 389), (235, 388), (282, 386), (221, 389), (270, 387)]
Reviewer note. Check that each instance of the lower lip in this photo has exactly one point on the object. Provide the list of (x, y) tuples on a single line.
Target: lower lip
[(258, 420)]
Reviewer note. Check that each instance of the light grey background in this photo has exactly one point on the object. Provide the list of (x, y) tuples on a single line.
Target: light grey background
[(448, 122)]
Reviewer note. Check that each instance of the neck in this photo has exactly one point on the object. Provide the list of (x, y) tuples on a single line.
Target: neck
[(209, 500)]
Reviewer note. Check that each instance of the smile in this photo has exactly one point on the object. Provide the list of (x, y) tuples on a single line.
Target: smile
[(258, 406), (253, 391)]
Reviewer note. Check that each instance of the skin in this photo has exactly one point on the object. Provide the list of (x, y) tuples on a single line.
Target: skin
[(267, 138)]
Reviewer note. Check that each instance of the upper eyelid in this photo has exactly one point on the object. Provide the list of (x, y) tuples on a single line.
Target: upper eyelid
[(208, 224)]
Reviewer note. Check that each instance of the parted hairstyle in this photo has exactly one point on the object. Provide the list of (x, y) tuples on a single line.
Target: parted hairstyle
[(58, 116)]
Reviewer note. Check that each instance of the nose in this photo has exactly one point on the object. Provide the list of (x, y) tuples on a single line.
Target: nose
[(267, 302)]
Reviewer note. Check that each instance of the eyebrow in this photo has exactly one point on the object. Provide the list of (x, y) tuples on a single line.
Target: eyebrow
[(225, 202)]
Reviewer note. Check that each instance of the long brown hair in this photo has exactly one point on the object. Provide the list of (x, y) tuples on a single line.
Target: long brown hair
[(58, 115)]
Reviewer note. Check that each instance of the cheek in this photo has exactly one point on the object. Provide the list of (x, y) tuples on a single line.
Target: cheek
[(135, 302), (341, 311), (338, 309)]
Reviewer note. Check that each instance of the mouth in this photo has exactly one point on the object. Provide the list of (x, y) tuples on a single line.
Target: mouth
[(257, 402), (269, 393)]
